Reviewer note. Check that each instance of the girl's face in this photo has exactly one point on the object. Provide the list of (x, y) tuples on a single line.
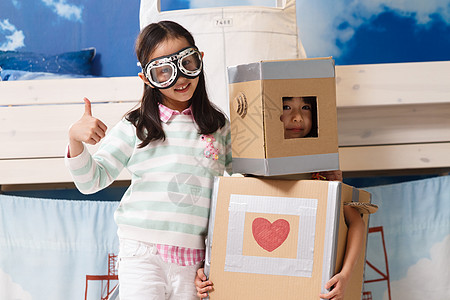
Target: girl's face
[(296, 117), (176, 97)]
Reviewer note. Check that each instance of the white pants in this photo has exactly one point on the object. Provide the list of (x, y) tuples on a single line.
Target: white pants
[(143, 275)]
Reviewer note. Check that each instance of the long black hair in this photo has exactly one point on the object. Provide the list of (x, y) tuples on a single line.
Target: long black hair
[(146, 117)]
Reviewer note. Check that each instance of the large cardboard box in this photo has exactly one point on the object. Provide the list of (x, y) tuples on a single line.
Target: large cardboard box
[(279, 239), (256, 93)]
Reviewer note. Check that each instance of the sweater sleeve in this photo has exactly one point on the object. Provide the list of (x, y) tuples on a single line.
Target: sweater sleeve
[(92, 173)]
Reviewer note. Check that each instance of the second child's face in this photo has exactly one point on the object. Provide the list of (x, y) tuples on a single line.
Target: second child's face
[(296, 117), (176, 97)]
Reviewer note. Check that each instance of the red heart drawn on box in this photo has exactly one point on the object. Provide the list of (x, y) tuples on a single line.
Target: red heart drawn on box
[(268, 235)]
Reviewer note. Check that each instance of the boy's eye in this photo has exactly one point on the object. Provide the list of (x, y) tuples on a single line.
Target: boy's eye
[(286, 107), (306, 107)]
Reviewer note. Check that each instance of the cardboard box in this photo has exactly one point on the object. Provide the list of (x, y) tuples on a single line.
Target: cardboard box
[(256, 93), (279, 239)]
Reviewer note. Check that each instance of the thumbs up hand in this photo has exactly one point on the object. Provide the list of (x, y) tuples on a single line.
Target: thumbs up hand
[(88, 129)]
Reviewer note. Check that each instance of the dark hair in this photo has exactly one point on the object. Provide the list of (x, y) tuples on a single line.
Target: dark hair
[(312, 100), (146, 117)]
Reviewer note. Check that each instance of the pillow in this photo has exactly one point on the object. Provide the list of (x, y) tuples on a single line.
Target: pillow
[(78, 62), (13, 75)]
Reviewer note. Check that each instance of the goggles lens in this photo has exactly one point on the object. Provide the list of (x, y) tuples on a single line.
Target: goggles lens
[(161, 75), (163, 72)]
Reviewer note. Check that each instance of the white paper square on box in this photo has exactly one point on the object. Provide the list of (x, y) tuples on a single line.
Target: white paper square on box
[(301, 265)]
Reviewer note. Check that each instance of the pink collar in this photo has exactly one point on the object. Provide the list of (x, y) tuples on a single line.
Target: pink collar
[(166, 113)]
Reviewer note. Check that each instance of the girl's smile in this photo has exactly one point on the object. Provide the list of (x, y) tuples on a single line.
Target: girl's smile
[(182, 89)]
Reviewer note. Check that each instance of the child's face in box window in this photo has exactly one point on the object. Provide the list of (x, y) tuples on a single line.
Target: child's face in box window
[(296, 117)]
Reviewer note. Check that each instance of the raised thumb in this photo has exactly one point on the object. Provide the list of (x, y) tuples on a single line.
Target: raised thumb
[(87, 107)]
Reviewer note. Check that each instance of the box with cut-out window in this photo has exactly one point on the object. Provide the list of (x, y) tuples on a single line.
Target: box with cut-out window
[(283, 117), (280, 239)]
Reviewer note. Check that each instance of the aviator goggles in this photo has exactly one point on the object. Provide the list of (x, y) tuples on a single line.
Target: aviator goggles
[(163, 72)]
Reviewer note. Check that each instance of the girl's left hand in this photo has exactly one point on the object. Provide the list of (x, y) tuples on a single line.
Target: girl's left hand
[(202, 285), (339, 283)]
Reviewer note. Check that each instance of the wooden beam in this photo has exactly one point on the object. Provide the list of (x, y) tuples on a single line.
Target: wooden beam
[(42, 130), (395, 157), (105, 89), (42, 171), (393, 84), (394, 124)]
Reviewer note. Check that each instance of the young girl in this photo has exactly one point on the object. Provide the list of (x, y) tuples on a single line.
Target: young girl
[(173, 144)]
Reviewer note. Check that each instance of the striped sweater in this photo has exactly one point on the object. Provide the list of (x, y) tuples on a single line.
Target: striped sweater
[(168, 200)]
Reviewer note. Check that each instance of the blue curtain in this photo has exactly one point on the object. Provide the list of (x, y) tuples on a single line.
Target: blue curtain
[(48, 247), (413, 226)]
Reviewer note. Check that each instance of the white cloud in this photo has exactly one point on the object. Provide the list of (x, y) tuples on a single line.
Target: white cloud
[(14, 38), (10, 289), (65, 10), (16, 3), (428, 279), (319, 20), (418, 8)]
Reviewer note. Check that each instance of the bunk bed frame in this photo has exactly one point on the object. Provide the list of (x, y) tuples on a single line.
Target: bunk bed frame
[(391, 118)]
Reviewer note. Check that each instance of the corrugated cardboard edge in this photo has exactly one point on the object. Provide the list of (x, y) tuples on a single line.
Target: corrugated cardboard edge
[(212, 216), (363, 208), (331, 230)]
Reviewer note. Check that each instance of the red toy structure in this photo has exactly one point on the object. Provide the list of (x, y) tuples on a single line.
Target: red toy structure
[(367, 295), (106, 288)]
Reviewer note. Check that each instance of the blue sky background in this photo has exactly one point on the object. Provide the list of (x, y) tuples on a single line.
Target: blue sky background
[(390, 37), (353, 32)]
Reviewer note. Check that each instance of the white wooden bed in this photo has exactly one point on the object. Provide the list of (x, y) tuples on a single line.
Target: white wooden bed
[(391, 118)]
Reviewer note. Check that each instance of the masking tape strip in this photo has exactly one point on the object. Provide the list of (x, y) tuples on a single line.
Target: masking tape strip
[(355, 195), (273, 205), (286, 165), (331, 232), (269, 265), (289, 69), (305, 208)]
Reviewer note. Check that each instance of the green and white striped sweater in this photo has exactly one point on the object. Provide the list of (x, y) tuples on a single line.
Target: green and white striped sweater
[(168, 200)]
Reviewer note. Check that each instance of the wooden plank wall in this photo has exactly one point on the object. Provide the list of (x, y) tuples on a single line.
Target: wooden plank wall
[(394, 116), (390, 117), (35, 117)]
